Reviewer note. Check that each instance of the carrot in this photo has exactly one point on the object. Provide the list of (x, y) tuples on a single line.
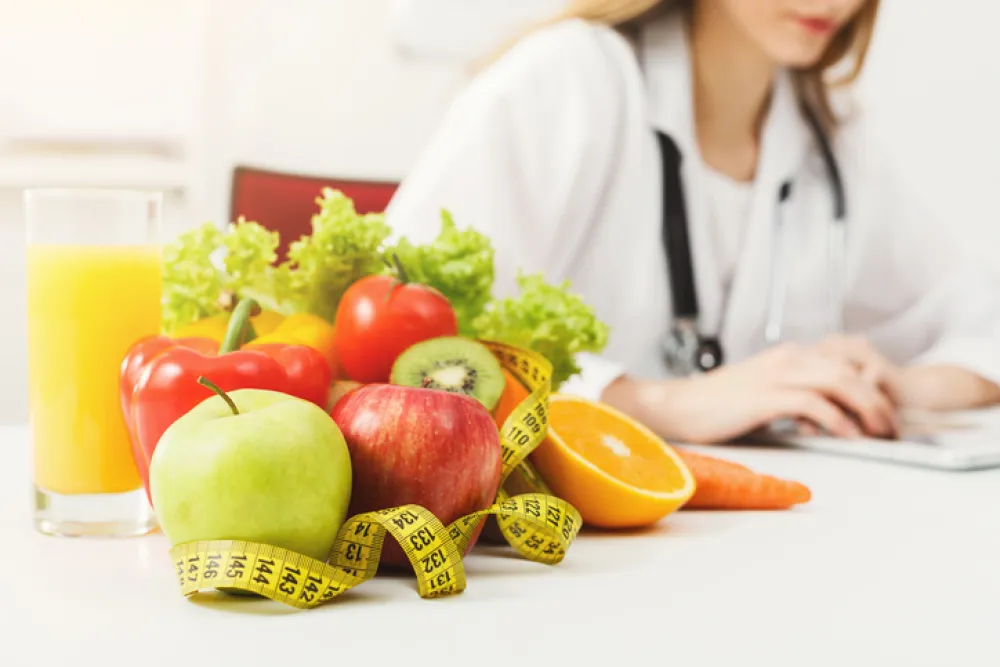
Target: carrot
[(726, 485), (513, 394)]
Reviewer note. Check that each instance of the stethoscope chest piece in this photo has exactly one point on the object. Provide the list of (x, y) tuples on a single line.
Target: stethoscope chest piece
[(709, 354), (686, 351)]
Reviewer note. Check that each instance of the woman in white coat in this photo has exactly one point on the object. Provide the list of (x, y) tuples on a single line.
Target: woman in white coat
[(829, 300)]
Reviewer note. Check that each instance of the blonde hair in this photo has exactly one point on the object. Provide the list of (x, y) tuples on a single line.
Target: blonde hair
[(849, 46)]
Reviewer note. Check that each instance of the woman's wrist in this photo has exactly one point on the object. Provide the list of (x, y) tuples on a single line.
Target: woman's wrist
[(626, 394), (945, 388), (650, 402)]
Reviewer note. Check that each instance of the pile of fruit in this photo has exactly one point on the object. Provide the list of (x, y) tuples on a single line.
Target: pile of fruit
[(355, 376)]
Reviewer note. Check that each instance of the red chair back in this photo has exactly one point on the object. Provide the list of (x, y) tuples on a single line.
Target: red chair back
[(285, 202)]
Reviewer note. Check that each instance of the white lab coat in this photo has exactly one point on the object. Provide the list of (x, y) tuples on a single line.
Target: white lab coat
[(551, 152)]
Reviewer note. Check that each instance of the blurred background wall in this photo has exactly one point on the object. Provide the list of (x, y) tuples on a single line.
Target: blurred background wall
[(172, 94)]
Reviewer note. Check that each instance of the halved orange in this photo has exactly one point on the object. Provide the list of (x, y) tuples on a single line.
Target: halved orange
[(614, 470)]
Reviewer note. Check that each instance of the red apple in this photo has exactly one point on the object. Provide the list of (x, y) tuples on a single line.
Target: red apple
[(423, 446)]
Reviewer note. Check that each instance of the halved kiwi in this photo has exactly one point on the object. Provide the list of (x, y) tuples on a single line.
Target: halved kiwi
[(452, 363)]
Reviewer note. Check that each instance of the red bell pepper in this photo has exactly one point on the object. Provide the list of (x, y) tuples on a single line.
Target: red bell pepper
[(164, 378), (135, 362)]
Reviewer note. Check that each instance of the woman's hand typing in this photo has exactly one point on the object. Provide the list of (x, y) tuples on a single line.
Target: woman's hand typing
[(836, 386), (924, 387)]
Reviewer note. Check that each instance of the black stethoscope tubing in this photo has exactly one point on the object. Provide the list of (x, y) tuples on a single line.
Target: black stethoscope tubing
[(686, 348)]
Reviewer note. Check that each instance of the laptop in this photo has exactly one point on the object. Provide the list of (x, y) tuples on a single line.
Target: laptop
[(956, 441)]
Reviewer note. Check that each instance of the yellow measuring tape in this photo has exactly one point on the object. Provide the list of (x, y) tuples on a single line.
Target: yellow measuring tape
[(538, 526)]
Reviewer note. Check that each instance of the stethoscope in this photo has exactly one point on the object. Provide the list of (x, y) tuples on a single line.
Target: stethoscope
[(686, 349)]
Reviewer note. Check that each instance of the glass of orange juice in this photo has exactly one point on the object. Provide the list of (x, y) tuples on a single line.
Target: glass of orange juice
[(93, 279)]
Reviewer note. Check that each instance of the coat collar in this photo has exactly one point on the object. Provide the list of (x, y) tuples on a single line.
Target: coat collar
[(737, 316), (664, 54)]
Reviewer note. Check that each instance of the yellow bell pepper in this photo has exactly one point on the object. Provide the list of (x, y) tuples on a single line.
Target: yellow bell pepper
[(215, 326), (266, 322), (304, 329)]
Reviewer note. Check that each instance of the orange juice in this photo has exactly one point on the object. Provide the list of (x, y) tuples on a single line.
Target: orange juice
[(86, 306)]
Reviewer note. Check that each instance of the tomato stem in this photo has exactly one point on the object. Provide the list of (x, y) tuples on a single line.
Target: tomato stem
[(403, 278), (205, 382)]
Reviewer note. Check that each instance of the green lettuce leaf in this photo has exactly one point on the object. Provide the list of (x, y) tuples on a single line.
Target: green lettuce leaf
[(343, 247), (548, 319), (204, 262), (458, 263)]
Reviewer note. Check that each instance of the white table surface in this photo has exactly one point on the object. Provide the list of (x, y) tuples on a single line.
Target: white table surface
[(887, 566)]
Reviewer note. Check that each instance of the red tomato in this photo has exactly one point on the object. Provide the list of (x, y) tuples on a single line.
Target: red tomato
[(379, 317)]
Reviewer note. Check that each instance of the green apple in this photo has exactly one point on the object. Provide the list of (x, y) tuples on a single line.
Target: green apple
[(253, 465)]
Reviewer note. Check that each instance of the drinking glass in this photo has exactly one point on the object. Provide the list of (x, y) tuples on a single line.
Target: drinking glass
[(94, 283)]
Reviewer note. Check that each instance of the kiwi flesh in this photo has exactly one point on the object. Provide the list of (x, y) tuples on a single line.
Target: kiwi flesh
[(455, 364)]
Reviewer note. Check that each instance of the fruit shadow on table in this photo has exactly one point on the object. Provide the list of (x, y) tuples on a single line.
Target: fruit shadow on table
[(255, 605)]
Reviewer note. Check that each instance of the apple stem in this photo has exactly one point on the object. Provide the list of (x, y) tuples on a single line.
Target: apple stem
[(240, 331), (205, 382)]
